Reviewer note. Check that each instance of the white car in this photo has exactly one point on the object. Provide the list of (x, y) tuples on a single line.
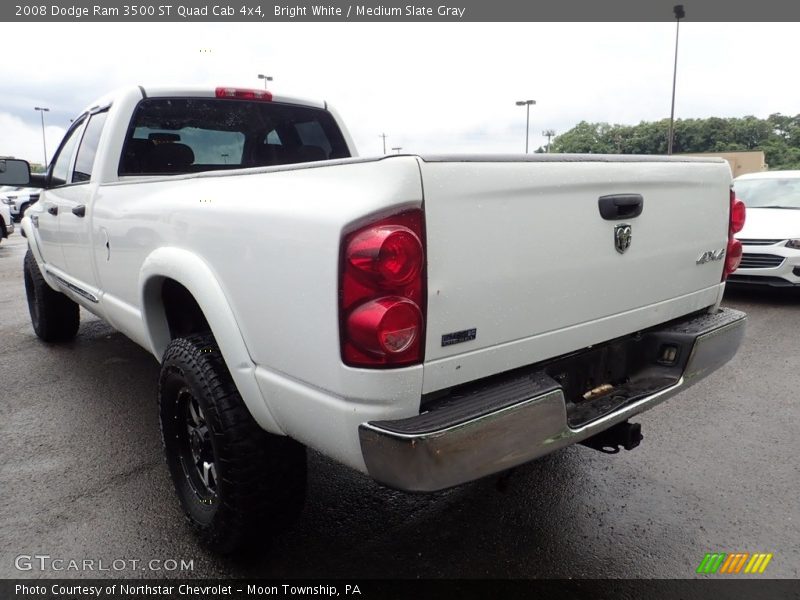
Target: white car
[(771, 236), (18, 200), (6, 222)]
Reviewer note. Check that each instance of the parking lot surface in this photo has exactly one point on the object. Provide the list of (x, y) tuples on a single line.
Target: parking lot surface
[(82, 476)]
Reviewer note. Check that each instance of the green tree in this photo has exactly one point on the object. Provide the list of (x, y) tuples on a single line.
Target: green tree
[(778, 136)]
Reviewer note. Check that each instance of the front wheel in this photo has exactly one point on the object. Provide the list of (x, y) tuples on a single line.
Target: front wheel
[(55, 318), (236, 483)]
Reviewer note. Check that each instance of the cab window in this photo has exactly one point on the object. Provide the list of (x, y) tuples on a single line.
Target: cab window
[(88, 148), (63, 159), (188, 135)]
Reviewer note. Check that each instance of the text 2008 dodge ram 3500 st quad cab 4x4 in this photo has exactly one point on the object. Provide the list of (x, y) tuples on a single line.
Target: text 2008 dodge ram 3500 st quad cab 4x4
[(428, 320)]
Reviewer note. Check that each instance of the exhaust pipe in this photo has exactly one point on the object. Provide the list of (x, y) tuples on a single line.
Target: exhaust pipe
[(627, 435)]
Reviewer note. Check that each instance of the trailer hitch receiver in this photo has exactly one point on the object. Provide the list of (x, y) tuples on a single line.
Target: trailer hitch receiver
[(625, 435)]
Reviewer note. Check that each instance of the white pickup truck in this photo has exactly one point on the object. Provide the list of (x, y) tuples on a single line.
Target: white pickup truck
[(428, 320)]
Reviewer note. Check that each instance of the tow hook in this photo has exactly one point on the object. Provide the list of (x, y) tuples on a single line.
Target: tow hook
[(627, 435)]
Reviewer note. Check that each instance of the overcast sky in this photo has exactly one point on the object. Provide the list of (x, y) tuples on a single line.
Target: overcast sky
[(439, 87)]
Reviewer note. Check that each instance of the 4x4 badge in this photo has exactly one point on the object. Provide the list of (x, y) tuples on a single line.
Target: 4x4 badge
[(622, 237)]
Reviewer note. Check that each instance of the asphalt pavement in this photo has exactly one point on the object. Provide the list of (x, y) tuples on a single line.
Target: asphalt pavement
[(82, 477)]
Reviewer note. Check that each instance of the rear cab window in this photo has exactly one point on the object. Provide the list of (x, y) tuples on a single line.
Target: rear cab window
[(170, 136), (84, 161), (60, 165), (79, 145)]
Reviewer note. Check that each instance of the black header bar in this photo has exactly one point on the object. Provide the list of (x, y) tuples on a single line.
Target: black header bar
[(453, 11)]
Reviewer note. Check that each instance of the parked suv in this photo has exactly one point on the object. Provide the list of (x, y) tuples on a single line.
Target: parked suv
[(18, 200)]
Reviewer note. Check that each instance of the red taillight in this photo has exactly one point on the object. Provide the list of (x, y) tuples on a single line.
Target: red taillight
[(386, 326), (242, 94), (382, 292), (733, 254), (391, 255), (737, 214)]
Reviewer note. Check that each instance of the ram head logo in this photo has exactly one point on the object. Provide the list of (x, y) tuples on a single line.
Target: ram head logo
[(622, 237)]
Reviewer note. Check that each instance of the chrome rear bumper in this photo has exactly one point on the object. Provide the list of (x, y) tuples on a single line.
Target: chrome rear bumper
[(447, 447)]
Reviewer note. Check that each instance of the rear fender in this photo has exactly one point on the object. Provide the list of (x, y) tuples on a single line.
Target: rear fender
[(195, 275)]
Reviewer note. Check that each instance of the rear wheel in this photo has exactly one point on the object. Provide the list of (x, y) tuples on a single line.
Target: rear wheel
[(237, 483), (55, 318)]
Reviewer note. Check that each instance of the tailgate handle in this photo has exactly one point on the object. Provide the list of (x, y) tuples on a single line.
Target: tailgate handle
[(620, 206)]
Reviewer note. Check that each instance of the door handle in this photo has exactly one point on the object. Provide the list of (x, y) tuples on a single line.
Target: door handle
[(620, 206), (79, 211), (52, 209)]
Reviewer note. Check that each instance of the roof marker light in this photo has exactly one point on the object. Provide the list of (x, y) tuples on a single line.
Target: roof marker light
[(243, 94)]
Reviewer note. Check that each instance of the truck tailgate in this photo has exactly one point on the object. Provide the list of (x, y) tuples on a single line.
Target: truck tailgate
[(518, 252)]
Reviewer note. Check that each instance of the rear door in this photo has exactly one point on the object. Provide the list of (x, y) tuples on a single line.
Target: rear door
[(75, 205), (46, 225)]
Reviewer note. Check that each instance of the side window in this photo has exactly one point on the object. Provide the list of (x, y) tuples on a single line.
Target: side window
[(312, 134), (63, 159), (273, 138), (88, 148)]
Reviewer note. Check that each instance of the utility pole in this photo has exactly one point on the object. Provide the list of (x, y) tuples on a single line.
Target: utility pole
[(43, 110), (679, 13), (549, 133), (527, 105), (383, 135), (265, 78)]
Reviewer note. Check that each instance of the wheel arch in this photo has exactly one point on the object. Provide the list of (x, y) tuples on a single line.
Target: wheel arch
[(33, 241), (172, 277), (29, 233)]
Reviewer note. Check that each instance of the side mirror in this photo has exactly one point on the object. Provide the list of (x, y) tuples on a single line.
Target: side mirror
[(14, 171)]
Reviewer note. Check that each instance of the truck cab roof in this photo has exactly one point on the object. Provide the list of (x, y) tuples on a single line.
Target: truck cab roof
[(191, 91)]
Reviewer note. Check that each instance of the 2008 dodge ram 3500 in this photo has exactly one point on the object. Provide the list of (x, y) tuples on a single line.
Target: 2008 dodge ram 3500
[(428, 320)]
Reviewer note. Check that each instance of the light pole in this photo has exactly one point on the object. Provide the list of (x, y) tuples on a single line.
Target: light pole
[(527, 105), (43, 110), (679, 14), (397, 149), (266, 78), (548, 133)]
